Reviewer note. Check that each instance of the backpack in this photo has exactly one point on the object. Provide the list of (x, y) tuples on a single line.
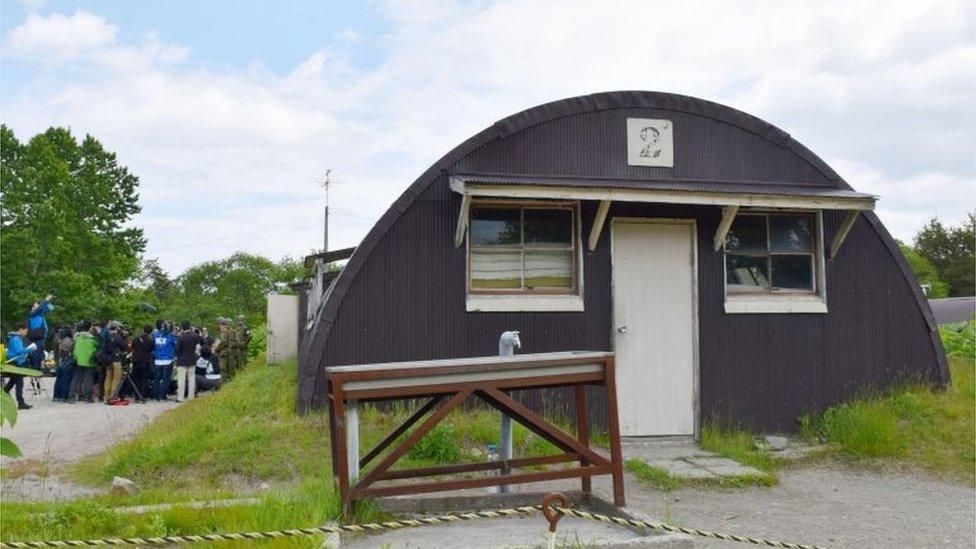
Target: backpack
[(102, 357)]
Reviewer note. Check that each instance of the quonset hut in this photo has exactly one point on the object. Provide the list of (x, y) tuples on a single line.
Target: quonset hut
[(737, 277)]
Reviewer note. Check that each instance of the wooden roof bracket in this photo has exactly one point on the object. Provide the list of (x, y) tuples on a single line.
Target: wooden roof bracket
[(841, 235), (728, 216), (462, 224), (598, 222)]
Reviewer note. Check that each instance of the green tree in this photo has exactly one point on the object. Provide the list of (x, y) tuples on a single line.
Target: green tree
[(64, 226), (952, 250), (925, 272), (228, 287)]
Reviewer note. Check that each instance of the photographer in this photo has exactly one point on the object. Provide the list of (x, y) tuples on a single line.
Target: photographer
[(86, 345), (64, 344), (208, 369), (164, 352), (186, 362), (18, 352), (142, 359), (112, 353), (37, 329)]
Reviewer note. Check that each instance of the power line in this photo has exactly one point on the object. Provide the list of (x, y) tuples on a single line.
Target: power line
[(233, 236)]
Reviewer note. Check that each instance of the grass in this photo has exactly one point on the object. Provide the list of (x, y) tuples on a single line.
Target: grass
[(308, 504), (739, 445), (246, 433), (914, 426), (228, 444)]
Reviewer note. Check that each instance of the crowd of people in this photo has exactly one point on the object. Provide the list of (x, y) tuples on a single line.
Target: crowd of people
[(104, 362)]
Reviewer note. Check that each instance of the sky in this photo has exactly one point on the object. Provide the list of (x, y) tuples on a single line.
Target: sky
[(231, 112)]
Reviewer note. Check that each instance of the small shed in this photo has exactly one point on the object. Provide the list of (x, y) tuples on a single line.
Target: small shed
[(735, 275)]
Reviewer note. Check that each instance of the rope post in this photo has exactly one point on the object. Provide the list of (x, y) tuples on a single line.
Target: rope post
[(549, 511)]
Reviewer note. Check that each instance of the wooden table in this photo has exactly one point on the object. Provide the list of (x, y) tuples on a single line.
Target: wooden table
[(445, 384)]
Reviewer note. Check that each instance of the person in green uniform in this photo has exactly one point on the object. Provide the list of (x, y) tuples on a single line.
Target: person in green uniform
[(243, 334), (224, 347)]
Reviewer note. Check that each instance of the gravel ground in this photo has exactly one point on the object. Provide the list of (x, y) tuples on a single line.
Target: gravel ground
[(52, 434), (826, 504)]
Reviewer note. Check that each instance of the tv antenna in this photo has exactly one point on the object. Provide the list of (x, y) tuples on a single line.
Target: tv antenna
[(325, 182)]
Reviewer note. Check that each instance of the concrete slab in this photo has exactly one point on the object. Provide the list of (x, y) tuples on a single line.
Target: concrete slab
[(661, 448), (681, 469), (723, 466)]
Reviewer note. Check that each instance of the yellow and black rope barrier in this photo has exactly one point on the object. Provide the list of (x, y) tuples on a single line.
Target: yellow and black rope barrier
[(272, 534), (660, 526), (552, 512)]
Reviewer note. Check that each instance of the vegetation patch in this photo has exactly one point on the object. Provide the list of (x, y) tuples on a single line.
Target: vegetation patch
[(913, 425), (738, 444), (959, 339)]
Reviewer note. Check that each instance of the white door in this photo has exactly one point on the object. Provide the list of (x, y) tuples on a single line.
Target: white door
[(654, 285)]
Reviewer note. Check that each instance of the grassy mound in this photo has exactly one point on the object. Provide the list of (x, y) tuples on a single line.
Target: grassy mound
[(240, 436)]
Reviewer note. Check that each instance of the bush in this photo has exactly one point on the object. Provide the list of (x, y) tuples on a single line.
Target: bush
[(959, 339), (259, 342), (439, 445)]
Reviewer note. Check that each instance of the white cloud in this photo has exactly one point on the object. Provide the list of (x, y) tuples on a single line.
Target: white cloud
[(59, 37), (883, 90)]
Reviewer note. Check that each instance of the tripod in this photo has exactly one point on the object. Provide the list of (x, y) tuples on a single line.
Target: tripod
[(127, 377)]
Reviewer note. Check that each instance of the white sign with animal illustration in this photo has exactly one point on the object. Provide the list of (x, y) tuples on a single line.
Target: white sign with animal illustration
[(650, 142)]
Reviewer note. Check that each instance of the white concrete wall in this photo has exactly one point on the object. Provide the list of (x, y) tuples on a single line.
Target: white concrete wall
[(282, 328)]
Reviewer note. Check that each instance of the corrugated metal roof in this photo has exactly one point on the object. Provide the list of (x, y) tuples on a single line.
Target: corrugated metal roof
[(697, 186)]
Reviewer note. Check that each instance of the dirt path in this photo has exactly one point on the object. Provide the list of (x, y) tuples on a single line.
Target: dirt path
[(53, 434)]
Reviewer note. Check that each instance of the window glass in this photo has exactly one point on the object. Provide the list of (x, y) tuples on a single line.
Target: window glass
[(548, 269), (549, 227), (780, 259), (790, 233), (792, 272), (495, 227), (746, 273), (747, 234), (522, 249), (496, 269)]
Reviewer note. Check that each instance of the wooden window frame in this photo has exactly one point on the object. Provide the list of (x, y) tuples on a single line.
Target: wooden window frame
[(521, 206), (816, 257)]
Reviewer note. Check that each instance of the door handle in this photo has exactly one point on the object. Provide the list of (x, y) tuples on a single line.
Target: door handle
[(622, 330)]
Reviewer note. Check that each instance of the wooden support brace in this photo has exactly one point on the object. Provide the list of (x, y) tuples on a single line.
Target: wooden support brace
[(598, 222), (540, 426), (462, 224), (845, 227), (413, 438), (390, 438), (728, 216)]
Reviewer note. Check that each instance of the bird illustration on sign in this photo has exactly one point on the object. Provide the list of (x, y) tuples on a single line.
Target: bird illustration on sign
[(651, 136)]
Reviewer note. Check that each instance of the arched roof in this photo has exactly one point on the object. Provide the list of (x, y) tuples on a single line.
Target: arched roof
[(313, 346)]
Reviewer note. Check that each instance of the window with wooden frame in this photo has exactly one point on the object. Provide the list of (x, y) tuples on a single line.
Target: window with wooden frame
[(523, 248), (773, 253)]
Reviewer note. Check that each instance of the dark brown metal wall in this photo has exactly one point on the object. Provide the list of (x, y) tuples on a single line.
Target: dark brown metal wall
[(406, 299)]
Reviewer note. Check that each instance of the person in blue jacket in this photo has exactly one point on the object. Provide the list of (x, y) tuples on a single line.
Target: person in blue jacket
[(164, 352), (37, 329), (18, 353)]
